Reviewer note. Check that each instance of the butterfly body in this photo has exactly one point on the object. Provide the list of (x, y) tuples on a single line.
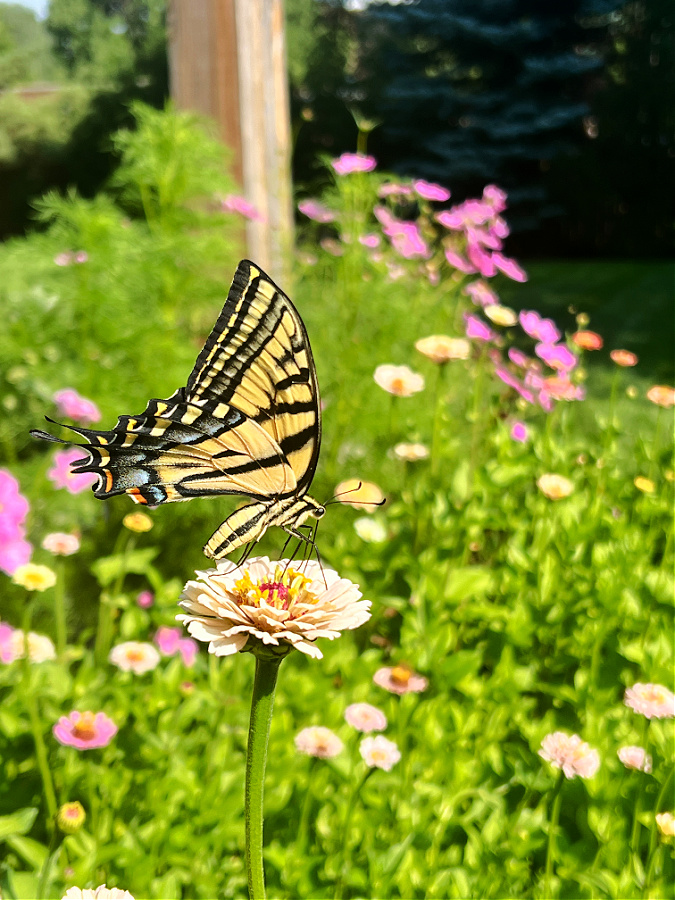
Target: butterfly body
[(248, 422)]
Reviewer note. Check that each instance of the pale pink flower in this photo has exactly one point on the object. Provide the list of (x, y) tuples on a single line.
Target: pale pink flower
[(400, 680), (316, 211), (85, 731), (654, 701), (14, 553), (64, 259), (365, 717), (379, 752), (440, 348), (666, 823), (519, 432), (555, 487), (398, 380), (471, 212), (7, 653), (480, 259), (623, 358), (542, 330), (353, 162), (384, 217), (369, 240), (561, 388), (71, 404), (458, 261), (237, 204), (318, 741), (571, 754), (499, 228), (661, 394), (81, 256), (362, 495), (509, 267), (635, 758), (40, 647), (145, 599), (134, 656), (557, 356), (278, 603), (477, 330), (395, 271), (495, 196), (61, 544), (63, 476), (188, 650), (394, 189), (481, 294), (430, 191), (100, 893)]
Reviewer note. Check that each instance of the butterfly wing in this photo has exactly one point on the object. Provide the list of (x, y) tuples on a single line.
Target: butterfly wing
[(258, 359)]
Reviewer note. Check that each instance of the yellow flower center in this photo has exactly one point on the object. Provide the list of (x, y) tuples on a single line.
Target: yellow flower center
[(283, 591), (85, 729), (135, 655), (401, 675)]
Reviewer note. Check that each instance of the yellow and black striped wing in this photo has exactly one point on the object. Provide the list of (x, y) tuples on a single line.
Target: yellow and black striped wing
[(259, 361)]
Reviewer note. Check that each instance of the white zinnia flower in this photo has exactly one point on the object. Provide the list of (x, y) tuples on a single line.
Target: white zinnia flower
[(635, 758), (379, 752), (134, 656), (40, 647), (398, 380), (276, 602), (100, 893)]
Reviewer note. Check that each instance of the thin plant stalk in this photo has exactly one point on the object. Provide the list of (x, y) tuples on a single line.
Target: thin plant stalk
[(262, 703), (124, 546), (635, 830), (339, 884), (60, 610), (438, 415), (552, 829), (303, 826), (665, 787)]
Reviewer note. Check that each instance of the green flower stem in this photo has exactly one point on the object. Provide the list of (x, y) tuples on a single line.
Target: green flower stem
[(60, 610), (635, 830), (552, 829), (45, 872), (124, 545), (665, 787), (262, 702), (438, 415), (303, 827), (339, 884)]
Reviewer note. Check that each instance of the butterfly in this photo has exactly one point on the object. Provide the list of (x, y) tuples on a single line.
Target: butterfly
[(247, 422)]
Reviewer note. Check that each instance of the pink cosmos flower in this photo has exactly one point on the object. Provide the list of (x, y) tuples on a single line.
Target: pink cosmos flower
[(499, 227), (145, 599), (76, 407), (85, 731), (471, 212), (353, 162), (571, 754), (168, 639), (635, 758), (457, 260), (481, 294), (478, 330), (654, 701), (316, 211), (407, 240), (509, 267), (561, 388), (543, 330), (15, 551), (430, 191), (7, 645), (519, 432), (495, 196), (557, 356), (369, 240), (394, 189), (518, 358), (237, 204), (515, 383), (480, 259), (482, 237), (365, 717), (62, 475), (400, 680)]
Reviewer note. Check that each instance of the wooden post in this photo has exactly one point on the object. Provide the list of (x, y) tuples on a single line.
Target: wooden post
[(227, 60)]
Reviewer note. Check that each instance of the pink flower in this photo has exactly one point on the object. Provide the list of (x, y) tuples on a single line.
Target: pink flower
[(561, 388), (557, 356), (481, 236), (458, 261), (63, 259), (393, 189), (515, 383), (519, 432), (518, 358), (430, 191), (188, 651), (353, 162), (571, 754), (471, 212), (316, 211), (407, 240), (509, 267), (318, 741), (400, 680), (369, 240), (145, 599), (85, 731), (330, 245), (480, 259), (168, 639), (654, 701), (237, 204), (62, 475), (75, 407), (499, 228), (384, 217), (635, 758), (481, 294), (61, 544), (15, 551), (543, 330), (365, 717), (81, 256), (7, 646), (495, 196), (478, 330), (379, 752)]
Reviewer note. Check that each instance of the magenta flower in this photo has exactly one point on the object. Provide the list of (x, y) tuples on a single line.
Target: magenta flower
[(353, 162), (188, 651), (430, 191), (480, 259), (168, 639), (7, 645), (557, 356), (543, 330), (76, 407), (515, 383), (407, 240), (499, 228), (495, 196), (63, 476), (145, 599), (481, 294), (519, 432), (316, 211), (15, 551), (519, 358), (369, 240), (471, 212), (237, 204), (384, 217), (481, 237), (509, 267), (85, 731), (458, 261), (478, 330), (393, 189)]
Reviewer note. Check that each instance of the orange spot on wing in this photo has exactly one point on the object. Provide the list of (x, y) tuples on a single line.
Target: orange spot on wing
[(137, 497)]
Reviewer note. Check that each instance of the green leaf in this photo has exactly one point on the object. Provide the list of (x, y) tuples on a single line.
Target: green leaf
[(469, 582), (108, 568), (19, 822), (31, 851)]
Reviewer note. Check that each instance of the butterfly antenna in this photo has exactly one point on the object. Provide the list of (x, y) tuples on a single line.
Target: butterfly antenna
[(337, 498)]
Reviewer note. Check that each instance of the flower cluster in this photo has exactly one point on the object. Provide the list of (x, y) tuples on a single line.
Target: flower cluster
[(15, 551), (171, 641)]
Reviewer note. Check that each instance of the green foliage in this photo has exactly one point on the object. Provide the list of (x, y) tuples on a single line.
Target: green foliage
[(527, 615), (25, 48)]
